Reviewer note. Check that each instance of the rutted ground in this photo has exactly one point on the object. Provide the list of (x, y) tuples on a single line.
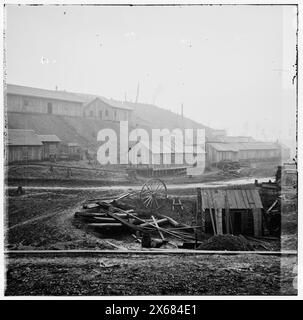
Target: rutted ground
[(45, 221)]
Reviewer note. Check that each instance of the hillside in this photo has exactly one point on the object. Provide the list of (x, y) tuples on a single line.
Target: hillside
[(152, 116), (84, 130), (69, 129)]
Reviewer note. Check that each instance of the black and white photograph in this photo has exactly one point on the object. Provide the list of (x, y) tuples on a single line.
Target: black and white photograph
[(150, 150)]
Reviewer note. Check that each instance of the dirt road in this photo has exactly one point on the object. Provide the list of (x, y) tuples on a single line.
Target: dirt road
[(213, 184)]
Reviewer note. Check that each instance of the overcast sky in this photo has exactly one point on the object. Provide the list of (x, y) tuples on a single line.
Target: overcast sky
[(231, 66)]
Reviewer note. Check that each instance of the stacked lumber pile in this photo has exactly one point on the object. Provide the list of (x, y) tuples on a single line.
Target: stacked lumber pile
[(112, 213), (229, 168)]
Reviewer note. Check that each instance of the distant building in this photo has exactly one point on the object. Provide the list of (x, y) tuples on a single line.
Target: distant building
[(34, 100), (105, 109), (50, 145), (168, 156), (235, 139), (246, 151), (55, 102), (23, 145)]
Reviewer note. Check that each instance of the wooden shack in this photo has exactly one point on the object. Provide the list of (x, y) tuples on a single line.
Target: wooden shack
[(230, 211), (50, 145), (23, 145)]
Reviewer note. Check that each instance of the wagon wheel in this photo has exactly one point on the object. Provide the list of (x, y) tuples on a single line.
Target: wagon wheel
[(153, 194)]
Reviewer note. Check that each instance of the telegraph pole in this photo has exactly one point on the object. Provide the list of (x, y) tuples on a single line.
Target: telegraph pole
[(138, 89)]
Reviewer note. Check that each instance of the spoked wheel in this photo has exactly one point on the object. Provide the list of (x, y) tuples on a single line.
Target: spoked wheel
[(153, 194)]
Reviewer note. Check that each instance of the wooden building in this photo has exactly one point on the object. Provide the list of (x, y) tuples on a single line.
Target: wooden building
[(243, 151), (106, 109), (231, 211), (23, 145), (34, 100), (165, 156), (234, 139), (54, 102), (50, 146)]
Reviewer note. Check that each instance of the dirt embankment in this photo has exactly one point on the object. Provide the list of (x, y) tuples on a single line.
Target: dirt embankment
[(92, 173)]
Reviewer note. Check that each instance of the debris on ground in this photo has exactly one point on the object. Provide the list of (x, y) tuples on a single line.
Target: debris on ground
[(112, 213), (226, 242)]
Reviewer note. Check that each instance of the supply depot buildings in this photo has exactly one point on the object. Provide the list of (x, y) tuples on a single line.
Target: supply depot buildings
[(77, 118), (34, 100)]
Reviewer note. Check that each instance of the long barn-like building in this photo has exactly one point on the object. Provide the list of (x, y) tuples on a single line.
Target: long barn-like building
[(242, 151), (34, 100)]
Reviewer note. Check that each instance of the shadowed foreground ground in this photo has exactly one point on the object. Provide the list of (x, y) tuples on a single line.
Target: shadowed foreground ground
[(152, 275)]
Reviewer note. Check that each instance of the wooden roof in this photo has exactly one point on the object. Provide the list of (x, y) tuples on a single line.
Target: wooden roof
[(48, 138), (42, 93), (243, 146), (19, 137), (84, 99), (233, 198)]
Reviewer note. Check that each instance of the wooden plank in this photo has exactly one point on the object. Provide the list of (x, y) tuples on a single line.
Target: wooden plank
[(257, 199), (219, 221), (237, 199), (218, 196), (159, 231), (244, 220), (227, 215), (204, 200), (130, 225), (231, 199), (212, 221), (83, 214), (105, 225), (172, 233), (251, 200), (170, 220), (115, 246), (200, 218), (257, 217), (245, 199), (209, 199), (212, 208), (159, 222)]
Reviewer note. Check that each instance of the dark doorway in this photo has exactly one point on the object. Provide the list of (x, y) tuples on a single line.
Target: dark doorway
[(237, 222), (49, 108)]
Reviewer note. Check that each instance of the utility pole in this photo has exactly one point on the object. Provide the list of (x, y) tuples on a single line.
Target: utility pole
[(138, 89), (182, 115)]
